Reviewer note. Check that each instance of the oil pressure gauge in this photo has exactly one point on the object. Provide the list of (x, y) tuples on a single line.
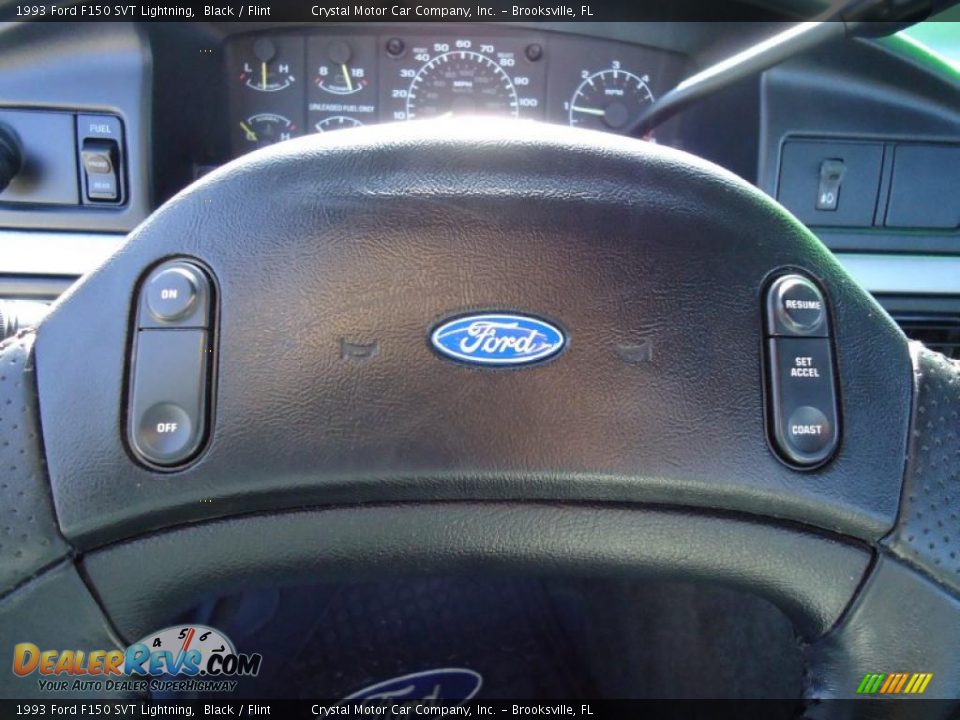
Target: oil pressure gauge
[(266, 69), (608, 100)]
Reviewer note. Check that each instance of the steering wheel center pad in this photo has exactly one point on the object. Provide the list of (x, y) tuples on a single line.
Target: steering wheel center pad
[(374, 237)]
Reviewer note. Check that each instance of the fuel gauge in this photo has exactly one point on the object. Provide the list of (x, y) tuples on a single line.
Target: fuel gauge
[(337, 122)]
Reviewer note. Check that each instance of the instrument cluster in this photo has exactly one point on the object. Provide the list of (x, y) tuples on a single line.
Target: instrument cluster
[(284, 84)]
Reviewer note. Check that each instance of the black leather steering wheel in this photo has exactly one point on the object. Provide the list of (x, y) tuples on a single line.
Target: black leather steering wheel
[(318, 461)]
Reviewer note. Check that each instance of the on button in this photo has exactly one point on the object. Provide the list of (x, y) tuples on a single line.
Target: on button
[(171, 293)]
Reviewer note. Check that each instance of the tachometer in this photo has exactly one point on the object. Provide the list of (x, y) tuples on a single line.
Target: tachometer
[(609, 99), (461, 82)]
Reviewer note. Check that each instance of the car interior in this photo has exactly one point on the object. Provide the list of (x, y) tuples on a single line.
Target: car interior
[(585, 359)]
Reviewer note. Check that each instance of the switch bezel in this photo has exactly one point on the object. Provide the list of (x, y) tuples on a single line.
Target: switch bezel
[(769, 332), (141, 321), (119, 157)]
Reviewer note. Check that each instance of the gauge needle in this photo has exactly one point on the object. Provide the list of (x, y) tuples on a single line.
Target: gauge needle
[(346, 76), (590, 111), (251, 135), (263, 74)]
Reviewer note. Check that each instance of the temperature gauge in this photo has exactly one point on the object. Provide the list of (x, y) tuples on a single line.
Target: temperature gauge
[(265, 129)]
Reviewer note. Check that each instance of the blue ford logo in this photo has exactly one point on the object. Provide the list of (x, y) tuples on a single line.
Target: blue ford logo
[(451, 684), (497, 339)]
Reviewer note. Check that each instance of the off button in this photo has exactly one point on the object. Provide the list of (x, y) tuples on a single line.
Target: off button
[(171, 293), (164, 432)]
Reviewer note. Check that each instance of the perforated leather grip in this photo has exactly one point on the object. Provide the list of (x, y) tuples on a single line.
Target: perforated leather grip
[(904, 618), (927, 534), (29, 538)]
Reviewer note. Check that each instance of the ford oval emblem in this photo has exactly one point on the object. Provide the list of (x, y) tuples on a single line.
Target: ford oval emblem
[(450, 684), (497, 339)]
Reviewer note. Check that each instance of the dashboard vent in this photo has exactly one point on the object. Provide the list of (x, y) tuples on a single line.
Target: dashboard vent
[(937, 332)]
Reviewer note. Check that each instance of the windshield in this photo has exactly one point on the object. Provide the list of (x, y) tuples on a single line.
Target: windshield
[(941, 35)]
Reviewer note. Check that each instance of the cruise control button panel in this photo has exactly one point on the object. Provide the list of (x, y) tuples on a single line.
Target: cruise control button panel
[(804, 408), (172, 363)]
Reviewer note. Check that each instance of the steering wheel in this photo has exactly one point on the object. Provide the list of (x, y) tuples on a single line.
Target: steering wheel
[(326, 433)]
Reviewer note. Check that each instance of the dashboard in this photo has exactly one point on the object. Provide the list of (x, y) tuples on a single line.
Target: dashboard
[(186, 98), (287, 84)]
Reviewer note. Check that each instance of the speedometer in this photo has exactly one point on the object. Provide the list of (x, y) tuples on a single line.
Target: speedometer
[(461, 82), (431, 77)]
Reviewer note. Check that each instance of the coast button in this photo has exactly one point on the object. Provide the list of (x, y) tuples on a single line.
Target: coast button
[(808, 430)]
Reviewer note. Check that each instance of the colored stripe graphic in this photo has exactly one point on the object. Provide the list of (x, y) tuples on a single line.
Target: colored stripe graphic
[(870, 683), (918, 683), (894, 683), (903, 681)]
